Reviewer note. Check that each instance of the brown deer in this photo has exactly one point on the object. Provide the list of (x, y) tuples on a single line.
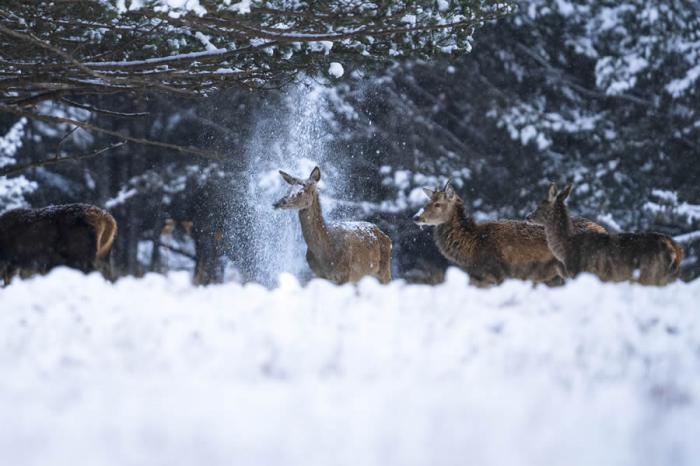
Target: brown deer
[(646, 258), (208, 238), (341, 251), (36, 240), (491, 251)]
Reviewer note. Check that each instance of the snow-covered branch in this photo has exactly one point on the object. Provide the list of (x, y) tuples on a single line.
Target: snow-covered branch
[(200, 46)]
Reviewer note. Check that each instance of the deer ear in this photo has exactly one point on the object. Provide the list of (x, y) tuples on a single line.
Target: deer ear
[(315, 175), (552, 193), (428, 192), (289, 178), (565, 192), (449, 191)]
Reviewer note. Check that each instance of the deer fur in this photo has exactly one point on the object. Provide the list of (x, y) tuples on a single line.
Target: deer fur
[(338, 251), (645, 258), (491, 251), (36, 240)]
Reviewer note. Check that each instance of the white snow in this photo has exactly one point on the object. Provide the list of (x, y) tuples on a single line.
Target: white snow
[(416, 197), (609, 221), (409, 19), (365, 229), (336, 69), (122, 196), (13, 190), (324, 46), (670, 197), (206, 42), (154, 371), (688, 237), (678, 86), (11, 142), (527, 134), (242, 8)]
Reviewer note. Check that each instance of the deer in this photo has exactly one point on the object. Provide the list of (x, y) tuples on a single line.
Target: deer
[(491, 251), (36, 240), (341, 252), (208, 238), (646, 258)]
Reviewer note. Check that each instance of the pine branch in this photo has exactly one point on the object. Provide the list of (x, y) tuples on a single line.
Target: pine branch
[(102, 111)]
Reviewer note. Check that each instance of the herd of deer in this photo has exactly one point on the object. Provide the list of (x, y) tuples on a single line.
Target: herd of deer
[(549, 247)]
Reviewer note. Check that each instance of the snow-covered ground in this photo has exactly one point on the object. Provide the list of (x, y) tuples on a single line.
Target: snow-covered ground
[(156, 372)]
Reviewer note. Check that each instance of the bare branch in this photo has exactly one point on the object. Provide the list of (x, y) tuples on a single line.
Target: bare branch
[(17, 169), (61, 120), (50, 49), (102, 111)]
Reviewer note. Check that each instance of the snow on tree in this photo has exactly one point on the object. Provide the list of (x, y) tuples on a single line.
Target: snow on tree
[(13, 190), (589, 93), (86, 47)]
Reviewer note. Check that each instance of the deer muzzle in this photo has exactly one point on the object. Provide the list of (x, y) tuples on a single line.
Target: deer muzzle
[(418, 218), (281, 204)]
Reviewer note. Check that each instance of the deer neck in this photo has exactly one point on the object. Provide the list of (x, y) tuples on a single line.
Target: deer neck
[(314, 229), (456, 238), (559, 231)]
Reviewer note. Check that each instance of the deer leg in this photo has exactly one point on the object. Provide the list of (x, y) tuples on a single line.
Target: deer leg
[(486, 279), (8, 272), (104, 267), (560, 267), (480, 282)]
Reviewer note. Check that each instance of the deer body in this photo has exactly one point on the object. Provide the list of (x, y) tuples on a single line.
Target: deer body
[(36, 240), (491, 251), (338, 251), (645, 258)]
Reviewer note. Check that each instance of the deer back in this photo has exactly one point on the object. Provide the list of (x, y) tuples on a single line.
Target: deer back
[(36, 240), (647, 258), (513, 248)]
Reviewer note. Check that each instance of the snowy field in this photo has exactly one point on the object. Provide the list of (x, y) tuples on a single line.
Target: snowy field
[(156, 372)]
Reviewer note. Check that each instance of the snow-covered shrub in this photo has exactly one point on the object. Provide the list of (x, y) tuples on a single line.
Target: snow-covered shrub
[(13, 190)]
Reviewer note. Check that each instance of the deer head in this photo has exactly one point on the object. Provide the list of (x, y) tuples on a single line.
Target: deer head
[(441, 206), (302, 192), (544, 213)]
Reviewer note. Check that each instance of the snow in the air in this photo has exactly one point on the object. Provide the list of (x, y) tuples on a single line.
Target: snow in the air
[(154, 371), (336, 69)]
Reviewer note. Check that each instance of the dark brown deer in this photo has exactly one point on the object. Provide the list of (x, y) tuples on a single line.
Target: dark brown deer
[(646, 258), (36, 240), (340, 251), (491, 251), (208, 248)]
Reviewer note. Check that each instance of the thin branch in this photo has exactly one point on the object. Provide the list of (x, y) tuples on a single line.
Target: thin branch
[(102, 111), (60, 120), (66, 136), (45, 45), (33, 100), (16, 169), (176, 250)]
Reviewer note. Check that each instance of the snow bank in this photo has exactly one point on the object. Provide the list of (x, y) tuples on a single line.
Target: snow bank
[(156, 372)]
